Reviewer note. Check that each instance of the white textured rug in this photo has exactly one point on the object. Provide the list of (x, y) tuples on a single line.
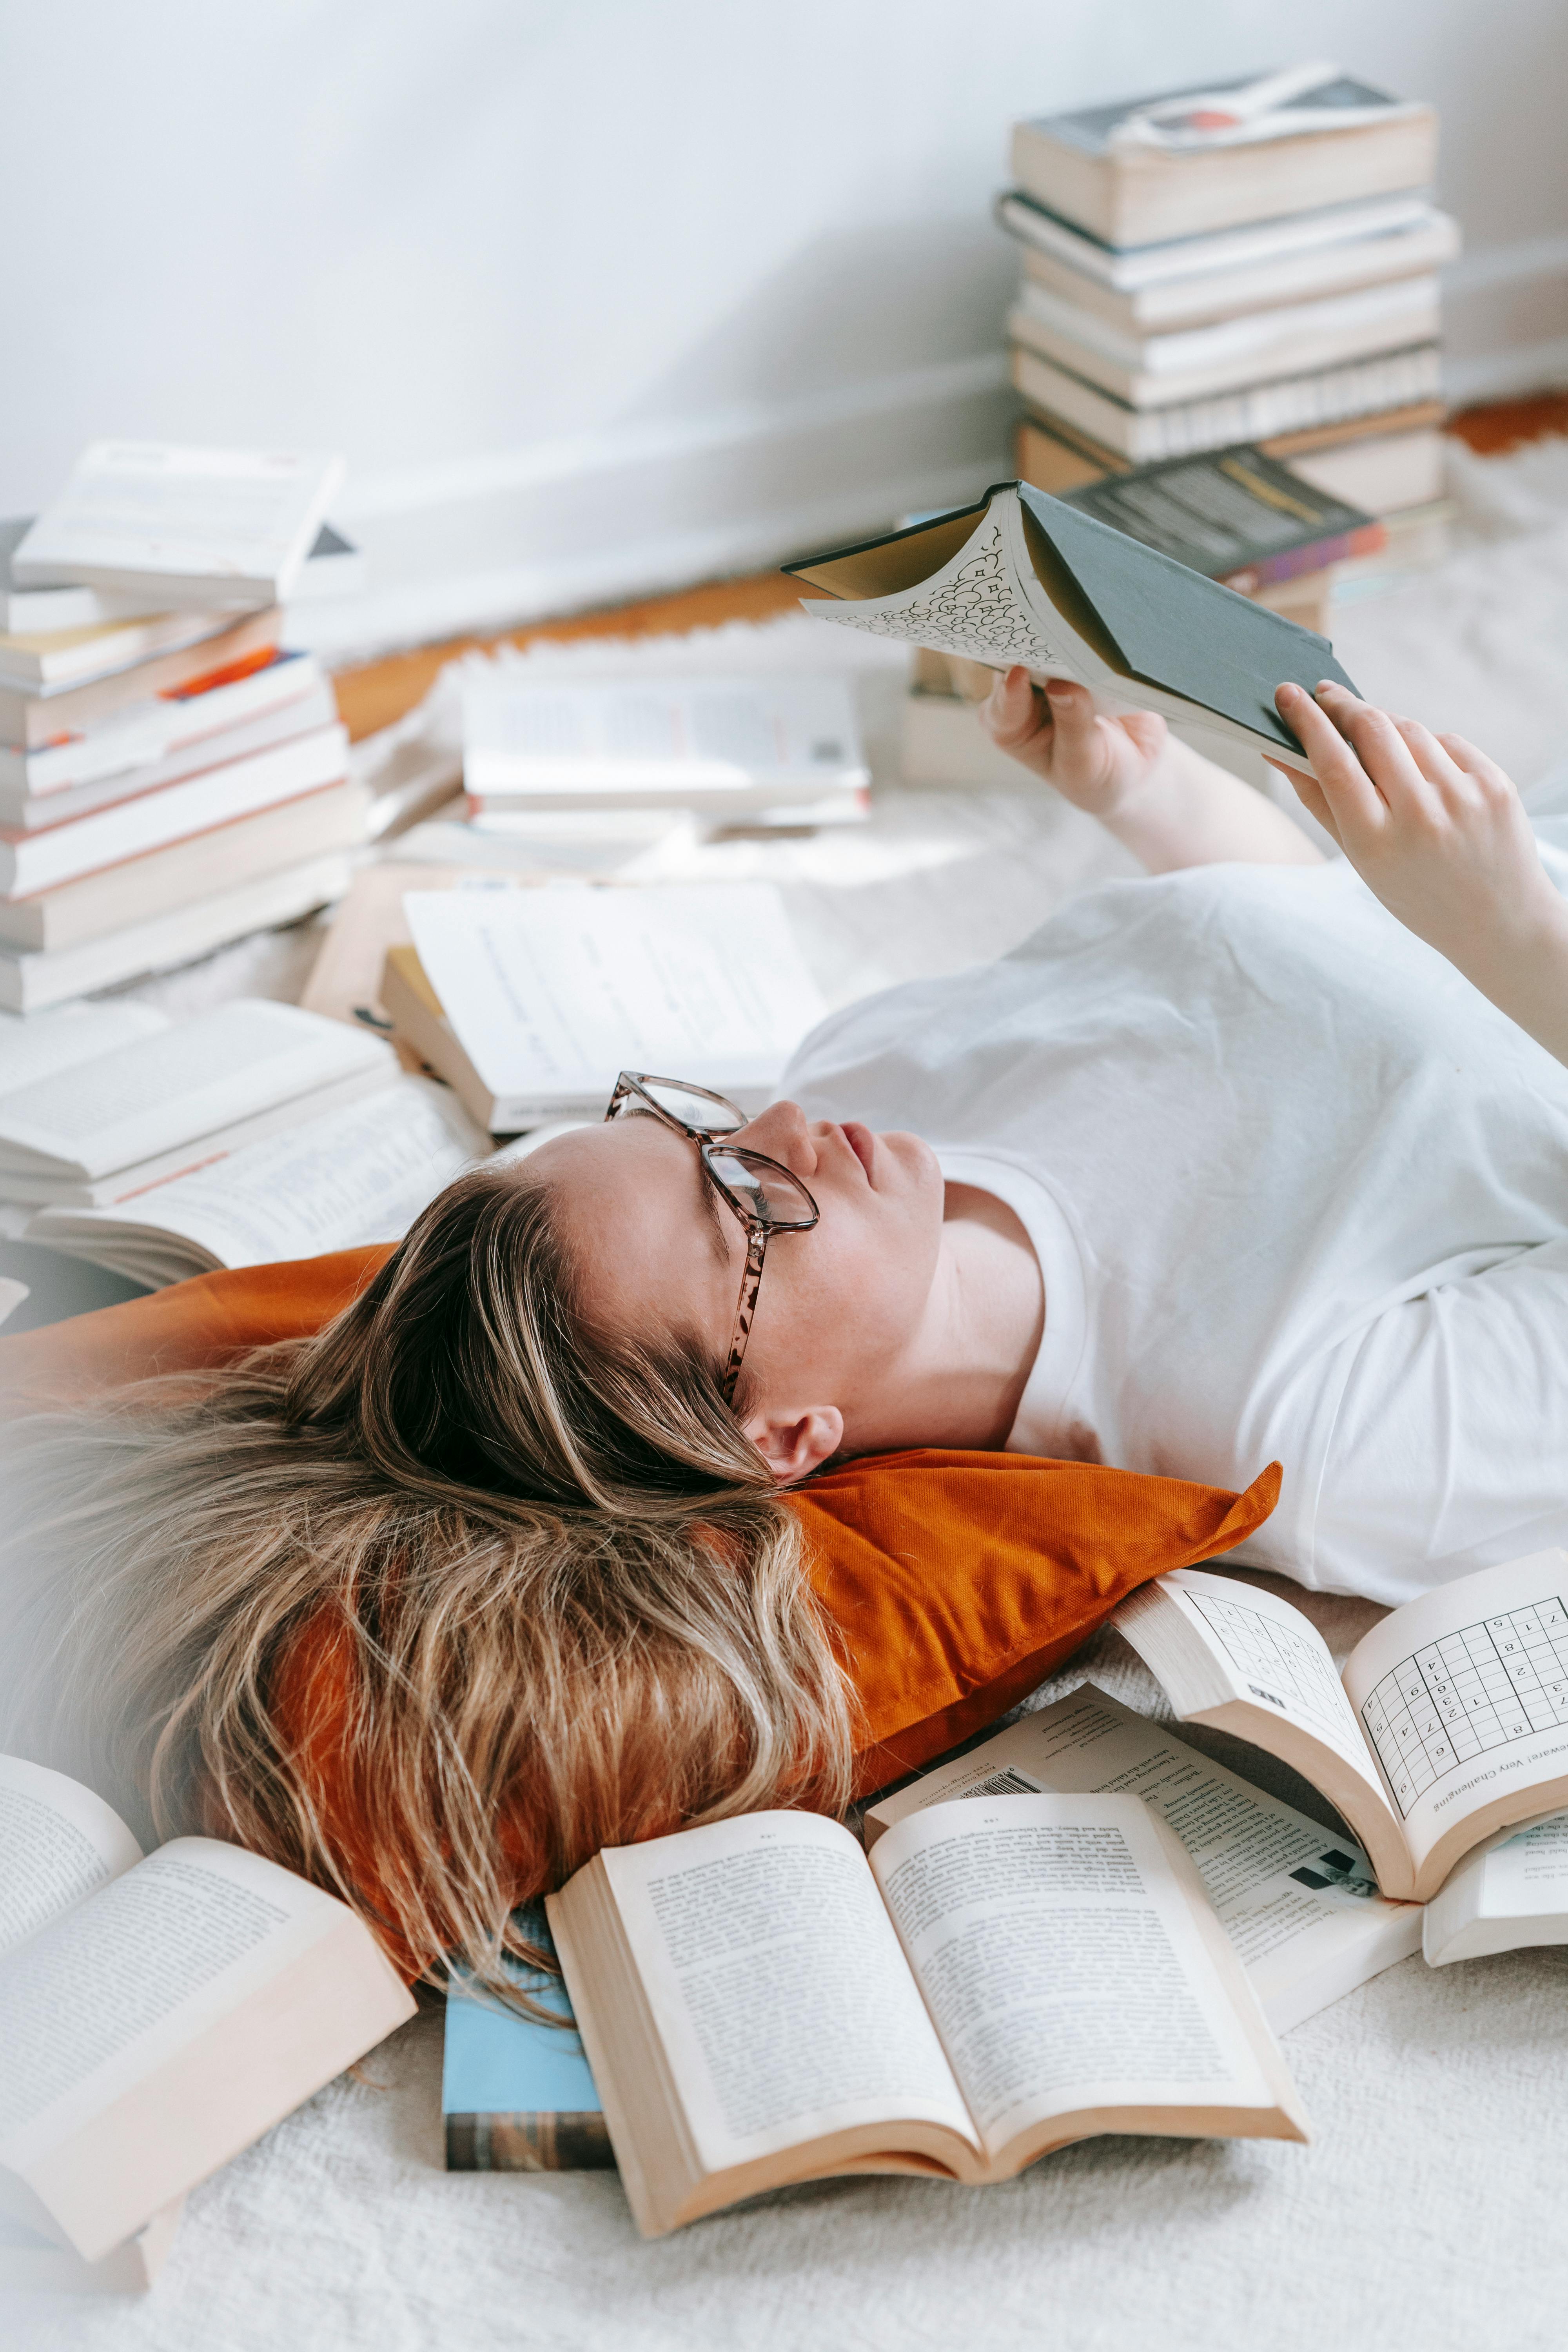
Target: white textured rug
[(1428, 2212)]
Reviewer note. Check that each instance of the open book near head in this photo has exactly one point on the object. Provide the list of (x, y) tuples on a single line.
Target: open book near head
[(1449, 1722), (1024, 578), (156, 2016), (761, 2005), (1296, 1900)]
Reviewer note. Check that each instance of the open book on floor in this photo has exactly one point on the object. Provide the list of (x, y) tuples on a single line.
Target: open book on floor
[(1026, 578), (1296, 1899), (548, 993), (761, 2004), (1513, 1891), (355, 1173), (157, 2015), (1449, 1722), (97, 1132)]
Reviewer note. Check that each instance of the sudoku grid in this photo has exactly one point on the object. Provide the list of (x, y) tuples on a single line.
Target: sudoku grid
[(1291, 1669), (1490, 1683)]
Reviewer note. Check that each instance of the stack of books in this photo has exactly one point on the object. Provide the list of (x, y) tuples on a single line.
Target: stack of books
[(258, 1131), (171, 777), (1255, 263), (587, 774)]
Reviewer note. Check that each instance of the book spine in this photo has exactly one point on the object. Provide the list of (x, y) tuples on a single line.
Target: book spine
[(1361, 388), (1366, 539), (529, 2143)]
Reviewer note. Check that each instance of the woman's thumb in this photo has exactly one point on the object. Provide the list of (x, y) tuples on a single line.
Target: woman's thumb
[(1072, 710)]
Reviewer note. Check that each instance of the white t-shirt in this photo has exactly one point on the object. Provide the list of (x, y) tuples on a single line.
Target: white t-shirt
[(1299, 1193)]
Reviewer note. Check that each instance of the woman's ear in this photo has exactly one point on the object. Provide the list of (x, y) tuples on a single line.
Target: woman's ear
[(795, 1444)]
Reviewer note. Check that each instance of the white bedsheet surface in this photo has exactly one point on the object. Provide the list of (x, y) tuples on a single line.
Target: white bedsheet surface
[(1430, 2211)]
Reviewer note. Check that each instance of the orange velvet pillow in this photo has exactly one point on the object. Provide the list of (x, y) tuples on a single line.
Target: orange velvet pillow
[(955, 1581)]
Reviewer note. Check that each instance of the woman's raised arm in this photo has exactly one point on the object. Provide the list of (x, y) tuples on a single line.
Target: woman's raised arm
[(1437, 831), (1164, 802)]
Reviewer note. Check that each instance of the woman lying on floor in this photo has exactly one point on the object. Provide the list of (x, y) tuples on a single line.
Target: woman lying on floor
[(1221, 1165)]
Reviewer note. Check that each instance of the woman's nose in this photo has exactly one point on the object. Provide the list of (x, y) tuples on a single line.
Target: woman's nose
[(784, 1133)]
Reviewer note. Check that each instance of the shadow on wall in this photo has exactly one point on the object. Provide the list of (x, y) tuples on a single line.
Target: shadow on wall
[(856, 304), (864, 378)]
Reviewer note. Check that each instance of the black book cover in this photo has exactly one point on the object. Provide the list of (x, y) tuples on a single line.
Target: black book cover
[(1168, 626)]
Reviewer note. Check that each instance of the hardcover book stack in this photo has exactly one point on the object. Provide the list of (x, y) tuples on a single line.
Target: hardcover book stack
[(1255, 263), (171, 777)]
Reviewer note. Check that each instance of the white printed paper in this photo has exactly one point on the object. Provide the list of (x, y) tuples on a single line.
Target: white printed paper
[(554, 992)]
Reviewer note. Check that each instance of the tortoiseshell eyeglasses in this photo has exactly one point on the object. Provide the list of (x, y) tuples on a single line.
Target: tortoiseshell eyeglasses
[(763, 1196)]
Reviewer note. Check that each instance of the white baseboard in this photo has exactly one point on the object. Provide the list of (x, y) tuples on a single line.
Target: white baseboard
[(482, 543), (1507, 317), (1495, 375)]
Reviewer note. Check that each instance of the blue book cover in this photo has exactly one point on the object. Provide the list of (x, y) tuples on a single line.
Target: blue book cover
[(518, 2095)]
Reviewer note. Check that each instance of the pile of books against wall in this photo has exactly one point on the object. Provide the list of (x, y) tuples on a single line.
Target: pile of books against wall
[(253, 1133), (171, 777), (1252, 263)]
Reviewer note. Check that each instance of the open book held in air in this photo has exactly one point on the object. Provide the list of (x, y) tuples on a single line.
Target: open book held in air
[(761, 2005), (1449, 1722), (1026, 578)]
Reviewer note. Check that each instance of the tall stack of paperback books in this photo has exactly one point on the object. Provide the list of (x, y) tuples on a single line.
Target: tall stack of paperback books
[(171, 776), (1253, 263)]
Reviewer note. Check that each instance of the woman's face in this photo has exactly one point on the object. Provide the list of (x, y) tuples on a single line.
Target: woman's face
[(658, 1253)]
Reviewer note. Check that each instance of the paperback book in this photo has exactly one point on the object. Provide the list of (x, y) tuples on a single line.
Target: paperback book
[(30, 980), (108, 1128), (551, 993), (334, 567), (156, 739), (1510, 1892), (1296, 1900), (762, 2003), (1186, 162), (516, 2095), (1237, 516), (168, 527), (1448, 1723), (729, 747), (357, 1172), (158, 2014)]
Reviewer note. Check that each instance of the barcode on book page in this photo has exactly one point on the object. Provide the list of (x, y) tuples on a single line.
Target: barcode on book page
[(1006, 1783)]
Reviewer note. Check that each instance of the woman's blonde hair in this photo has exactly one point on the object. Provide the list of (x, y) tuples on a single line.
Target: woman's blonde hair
[(562, 1600)]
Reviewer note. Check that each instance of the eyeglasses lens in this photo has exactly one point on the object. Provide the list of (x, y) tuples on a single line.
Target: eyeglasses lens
[(709, 1112), (772, 1194)]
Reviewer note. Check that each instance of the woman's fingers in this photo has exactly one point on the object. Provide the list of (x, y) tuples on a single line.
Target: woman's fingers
[(1377, 743), (1078, 751), (1310, 792), (1466, 757), (1348, 790), (1013, 713), (1437, 764)]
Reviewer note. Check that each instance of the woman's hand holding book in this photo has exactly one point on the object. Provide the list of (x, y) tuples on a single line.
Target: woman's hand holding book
[(1160, 798), (1437, 831)]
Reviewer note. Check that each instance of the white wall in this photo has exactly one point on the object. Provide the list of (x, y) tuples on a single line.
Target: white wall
[(599, 295)]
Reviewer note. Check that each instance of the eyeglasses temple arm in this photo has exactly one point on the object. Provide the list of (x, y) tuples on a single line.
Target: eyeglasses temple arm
[(750, 1284)]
